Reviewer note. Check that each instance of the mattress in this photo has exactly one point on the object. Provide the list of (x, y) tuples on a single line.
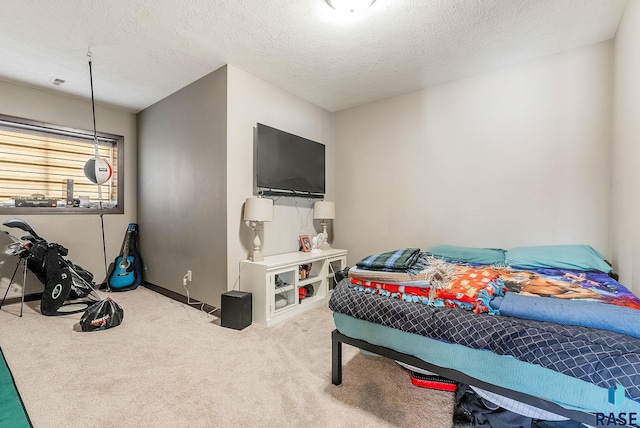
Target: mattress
[(571, 365)]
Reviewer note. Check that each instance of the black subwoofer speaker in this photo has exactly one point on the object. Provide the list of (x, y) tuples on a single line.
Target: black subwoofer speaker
[(236, 309)]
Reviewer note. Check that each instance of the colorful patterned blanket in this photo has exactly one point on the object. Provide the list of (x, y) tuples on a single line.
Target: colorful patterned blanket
[(479, 288), (588, 299), (470, 288), (568, 284)]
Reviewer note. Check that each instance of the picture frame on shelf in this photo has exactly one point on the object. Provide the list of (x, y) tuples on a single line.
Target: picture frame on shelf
[(305, 243)]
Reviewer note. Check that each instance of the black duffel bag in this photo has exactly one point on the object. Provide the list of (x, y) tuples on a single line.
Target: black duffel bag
[(102, 315)]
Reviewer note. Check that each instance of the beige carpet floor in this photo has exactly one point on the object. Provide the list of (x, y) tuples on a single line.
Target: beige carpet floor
[(171, 365)]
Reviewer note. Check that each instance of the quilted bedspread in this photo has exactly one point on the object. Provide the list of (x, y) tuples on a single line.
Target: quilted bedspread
[(601, 357)]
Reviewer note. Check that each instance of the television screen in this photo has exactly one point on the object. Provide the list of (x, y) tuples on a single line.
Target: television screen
[(287, 162)]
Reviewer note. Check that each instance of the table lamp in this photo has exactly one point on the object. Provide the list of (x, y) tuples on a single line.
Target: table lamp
[(257, 211), (323, 211)]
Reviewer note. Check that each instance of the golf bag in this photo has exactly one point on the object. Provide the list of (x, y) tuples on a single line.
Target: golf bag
[(68, 287)]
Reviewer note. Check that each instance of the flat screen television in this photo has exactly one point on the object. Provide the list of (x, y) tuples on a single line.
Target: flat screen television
[(288, 165)]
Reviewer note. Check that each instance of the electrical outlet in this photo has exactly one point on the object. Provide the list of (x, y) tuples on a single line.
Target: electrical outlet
[(189, 277)]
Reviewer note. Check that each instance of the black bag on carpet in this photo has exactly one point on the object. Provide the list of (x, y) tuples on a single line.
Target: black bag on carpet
[(342, 274), (102, 315), (473, 411), (69, 288), (56, 292)]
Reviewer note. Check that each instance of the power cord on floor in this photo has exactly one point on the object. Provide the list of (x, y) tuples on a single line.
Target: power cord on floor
[(196, 302)]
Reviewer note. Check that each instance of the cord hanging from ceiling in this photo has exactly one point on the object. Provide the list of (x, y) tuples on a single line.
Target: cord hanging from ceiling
[(97, 169)]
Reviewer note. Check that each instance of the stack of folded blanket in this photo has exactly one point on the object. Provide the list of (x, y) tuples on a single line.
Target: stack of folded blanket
[(401, 260), (413, 276)]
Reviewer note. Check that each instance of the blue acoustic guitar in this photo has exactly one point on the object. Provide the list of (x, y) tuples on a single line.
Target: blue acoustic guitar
[(124, 273)]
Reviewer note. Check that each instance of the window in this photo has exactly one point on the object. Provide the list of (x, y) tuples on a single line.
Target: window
[(42, 169)]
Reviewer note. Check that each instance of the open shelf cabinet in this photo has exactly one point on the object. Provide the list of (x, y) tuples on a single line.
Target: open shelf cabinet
[(285, 284)]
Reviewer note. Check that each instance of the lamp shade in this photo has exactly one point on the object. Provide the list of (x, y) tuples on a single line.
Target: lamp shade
[(324, 210), (258, 209)]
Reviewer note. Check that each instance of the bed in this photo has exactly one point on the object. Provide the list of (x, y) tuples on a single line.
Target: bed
[(549, 327)]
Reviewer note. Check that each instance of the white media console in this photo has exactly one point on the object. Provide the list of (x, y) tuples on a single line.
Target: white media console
[(276, 281)]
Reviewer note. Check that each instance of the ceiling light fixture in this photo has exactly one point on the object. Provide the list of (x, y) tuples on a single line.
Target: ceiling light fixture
[(350, 6)]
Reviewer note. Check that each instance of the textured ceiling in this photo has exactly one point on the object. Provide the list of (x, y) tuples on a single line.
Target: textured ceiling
[(144, 50)]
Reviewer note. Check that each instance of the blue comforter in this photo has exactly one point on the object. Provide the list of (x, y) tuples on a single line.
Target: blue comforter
[(573, 312)]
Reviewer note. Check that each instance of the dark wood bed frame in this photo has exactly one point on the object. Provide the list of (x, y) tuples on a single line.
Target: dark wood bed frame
[(338, 339)]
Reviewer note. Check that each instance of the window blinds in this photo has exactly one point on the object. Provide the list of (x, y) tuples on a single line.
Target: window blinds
[(36, 164)]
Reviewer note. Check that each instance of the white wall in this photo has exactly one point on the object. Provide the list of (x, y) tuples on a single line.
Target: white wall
[(81, 234), (626, 174), (251, 100), (520, 156)]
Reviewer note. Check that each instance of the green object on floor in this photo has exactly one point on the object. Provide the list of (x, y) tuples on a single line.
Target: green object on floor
[(12, 411)]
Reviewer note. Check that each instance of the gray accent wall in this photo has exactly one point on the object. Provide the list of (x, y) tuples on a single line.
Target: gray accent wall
[(182, 189)]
